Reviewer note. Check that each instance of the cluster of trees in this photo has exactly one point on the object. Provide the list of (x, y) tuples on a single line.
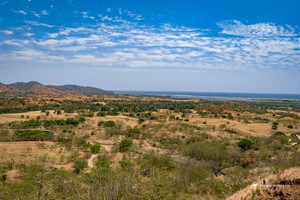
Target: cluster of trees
[(36, 123), (33, 135)]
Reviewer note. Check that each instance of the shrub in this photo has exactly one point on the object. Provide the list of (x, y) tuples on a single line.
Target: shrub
[(34, 135), (79, 165), (81, 119), (151, 160), (167, 142), (95, 148), (100, 123), (125, 163), (280, 137), (290, 126), (64, 140), (133, 133), (71, 121), (125, 145), (31, 123), (102, 163), (275, 125), (229, 116), (245, 144), (109, 124), (101, 114), (207, 152)]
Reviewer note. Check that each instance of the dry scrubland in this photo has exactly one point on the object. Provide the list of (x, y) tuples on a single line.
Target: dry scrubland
[(138, 147)]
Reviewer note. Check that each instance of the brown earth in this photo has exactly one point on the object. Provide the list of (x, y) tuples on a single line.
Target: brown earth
[(283, 185)]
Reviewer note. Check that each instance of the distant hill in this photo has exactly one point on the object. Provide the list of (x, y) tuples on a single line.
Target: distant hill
[(34, 87), (6, 88), (86, 90), (37, 88)]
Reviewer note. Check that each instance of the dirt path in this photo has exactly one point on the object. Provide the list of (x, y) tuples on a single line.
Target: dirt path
[(90, 161)]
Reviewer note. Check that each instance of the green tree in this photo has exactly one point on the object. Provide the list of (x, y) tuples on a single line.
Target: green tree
[(245, 144), (109, 124)]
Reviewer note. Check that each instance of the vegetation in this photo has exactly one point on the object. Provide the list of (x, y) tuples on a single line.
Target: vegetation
[(125, 145), (95, 148), (245, 144), (33, 135), (143, 148)]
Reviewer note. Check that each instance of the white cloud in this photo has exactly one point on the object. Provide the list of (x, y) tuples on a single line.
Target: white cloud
[(85, 15), (235, 27), (34, 23), (44, 12), (118, 43), (19, 12), (28, 34), (7, 32), (37, 15), (16, 42)]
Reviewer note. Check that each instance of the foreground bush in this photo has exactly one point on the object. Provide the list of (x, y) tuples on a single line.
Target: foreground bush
[(216, 153)]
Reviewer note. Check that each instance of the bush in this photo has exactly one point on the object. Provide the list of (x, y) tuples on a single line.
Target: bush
[(71, 121), (64, 140), (151, 160), (275, 125), (125, 163), (100, 123), (109, 124), (125, 145), (207, 152), (34, 135), (102, 163), (168, 142), (290, 126), (133, 133), (81, 119), (280, 137), (79, 165), (245, 144), (101, 114), (95, 148)]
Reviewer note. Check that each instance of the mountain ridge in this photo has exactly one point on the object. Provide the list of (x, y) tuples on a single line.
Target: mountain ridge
[(86, 90), (34, 87)]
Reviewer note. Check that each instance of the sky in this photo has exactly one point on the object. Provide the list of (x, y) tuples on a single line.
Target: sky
[(250, 46)]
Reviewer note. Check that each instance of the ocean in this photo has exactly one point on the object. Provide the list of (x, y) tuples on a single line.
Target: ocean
[(218, 96)]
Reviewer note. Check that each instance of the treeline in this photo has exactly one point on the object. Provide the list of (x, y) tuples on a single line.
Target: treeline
[(33, 123), (15, 105)]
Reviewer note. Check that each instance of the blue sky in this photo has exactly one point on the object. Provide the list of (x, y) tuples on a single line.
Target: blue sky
[(166, 45)]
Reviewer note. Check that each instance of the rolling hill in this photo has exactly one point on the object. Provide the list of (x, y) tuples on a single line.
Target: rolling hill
[(34, 87), (86, 90)]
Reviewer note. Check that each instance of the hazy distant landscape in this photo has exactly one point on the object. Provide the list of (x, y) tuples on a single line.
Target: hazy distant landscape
[(149, 100)]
